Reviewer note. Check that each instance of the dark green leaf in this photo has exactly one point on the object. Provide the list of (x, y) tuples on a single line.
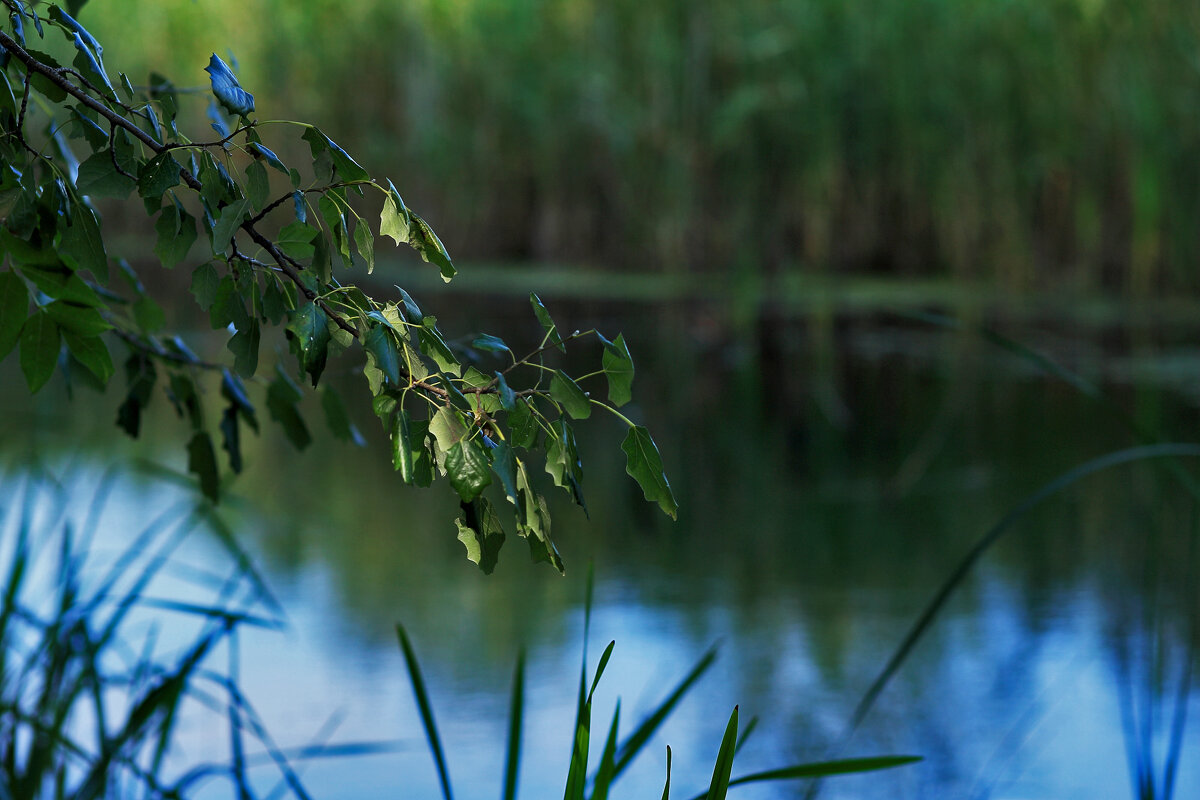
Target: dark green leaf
[(82, 320), (258, 187), (282, 396), (148, 315), (231, 438), (308, 332), (422, 239), (447, 427), (202, 460), (493, 344), (228, 306), (365, 243), (480, 531), (523, 425), (337, 418), (380, 345), (453, 394), (157, 175), (205, 281), (567, 392), (227, 224), (411, 310), (258, 150), (533, 522), (274, 302), (176, 230), (504, 464), (228, 91), (233, 390), (297, 240), (61, 284), (719, 786), (347, 167), (645, 466), (434, 346), (403, 456), (618, 367), (141, 376), (547, 323), (82, 246), (40, 343), (244, 346), (563, 463), (14, 308), (467, 469), (91, 352), (98, 177), (508, 398)]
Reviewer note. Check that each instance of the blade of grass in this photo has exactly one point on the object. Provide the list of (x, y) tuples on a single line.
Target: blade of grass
[(718, 787), (638, 739), (823, 769), (667, 786), (600, 668), (604, 772), (418, 684), (516, 712)]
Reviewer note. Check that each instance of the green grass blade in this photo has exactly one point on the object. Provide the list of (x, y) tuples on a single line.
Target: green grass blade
[(719, 786), (418, 684), (638, 739), (608, 759), (600, 668), (745, 734), (823, 769), (516, 713), (667, 786)]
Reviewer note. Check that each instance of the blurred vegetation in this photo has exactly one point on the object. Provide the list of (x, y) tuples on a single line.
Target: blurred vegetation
[(1021, 143)]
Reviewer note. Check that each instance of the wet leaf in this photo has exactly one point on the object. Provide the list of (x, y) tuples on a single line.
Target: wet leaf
[(467, 469), (308, 333), (381, 346)]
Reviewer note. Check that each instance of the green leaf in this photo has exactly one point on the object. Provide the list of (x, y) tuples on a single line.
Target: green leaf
[(492, 344), (14, 308), (257, 150), (434, 346), (337, 418), (202, 460), (258, 186), (282, 396), (82, 320), (347, 167), (98, 177), (467, 469), (410, 454), (563, 463), (644, 465), (227, 224), (422, 239), (308, 333), (533, 522), (481, 533), (504, 464), (205, 281), (244, 346), (176, 231), (365, 243), (381, 347), (231, 438), (447, 427), (228, 91), (508, 398), (82, 246), (228, 306), (566, 391), (91, 352), (141, 375), (40, 343), (618, 368), (297, 240), (148, 315), (523, 425), (547, 323), (158, 175), (61, 284), (394, 220)]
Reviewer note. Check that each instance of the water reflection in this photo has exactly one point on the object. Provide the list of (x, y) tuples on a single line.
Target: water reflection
[(824, 495)]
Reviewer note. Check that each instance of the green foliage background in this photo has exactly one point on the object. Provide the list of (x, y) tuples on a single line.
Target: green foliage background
[(1029, 142)]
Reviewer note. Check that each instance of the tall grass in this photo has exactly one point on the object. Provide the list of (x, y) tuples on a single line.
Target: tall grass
[(98, 671), (1024, 142)]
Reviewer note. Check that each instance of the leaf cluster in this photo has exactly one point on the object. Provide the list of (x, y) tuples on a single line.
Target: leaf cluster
[(269, 246)]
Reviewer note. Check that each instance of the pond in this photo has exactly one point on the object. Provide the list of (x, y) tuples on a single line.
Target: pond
[(832, 470)]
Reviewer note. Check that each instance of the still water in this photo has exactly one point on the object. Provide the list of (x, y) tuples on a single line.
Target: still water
[(830, 474)]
